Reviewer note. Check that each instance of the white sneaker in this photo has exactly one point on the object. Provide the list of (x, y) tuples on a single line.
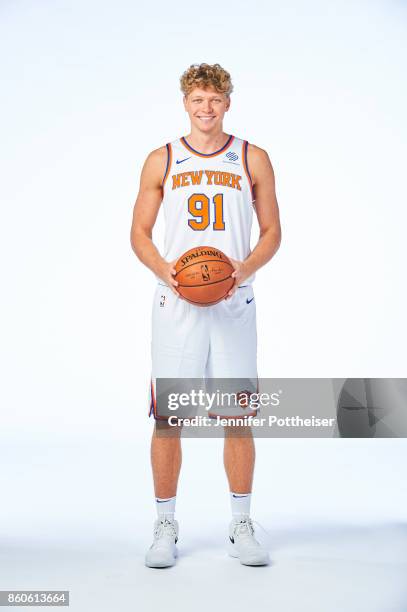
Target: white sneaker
[(163, 552), (243, 545)]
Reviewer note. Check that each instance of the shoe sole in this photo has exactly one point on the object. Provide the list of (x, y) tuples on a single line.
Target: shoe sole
[(159, 565), (233, 553), (163, 564)]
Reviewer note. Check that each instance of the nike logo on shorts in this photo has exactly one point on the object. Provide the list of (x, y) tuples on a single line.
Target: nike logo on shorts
[(248, 301)]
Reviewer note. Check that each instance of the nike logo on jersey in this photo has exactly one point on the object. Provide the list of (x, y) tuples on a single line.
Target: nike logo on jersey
[(248, 301), (179, 161)]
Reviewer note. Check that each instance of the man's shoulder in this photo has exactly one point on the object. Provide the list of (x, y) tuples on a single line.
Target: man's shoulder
[(259, 162), (157, 155), (154, 166), (156, 160), (256, 152)]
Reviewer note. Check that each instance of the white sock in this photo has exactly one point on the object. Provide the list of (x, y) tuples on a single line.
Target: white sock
[(240, 503), (165, 505)]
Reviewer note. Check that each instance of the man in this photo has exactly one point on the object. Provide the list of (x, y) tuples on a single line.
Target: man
[(189, 341)]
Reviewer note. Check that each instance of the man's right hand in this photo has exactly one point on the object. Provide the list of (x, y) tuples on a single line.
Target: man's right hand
[(167, 272)]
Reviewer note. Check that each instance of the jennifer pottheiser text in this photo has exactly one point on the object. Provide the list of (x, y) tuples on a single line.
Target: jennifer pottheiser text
[(252, 421)]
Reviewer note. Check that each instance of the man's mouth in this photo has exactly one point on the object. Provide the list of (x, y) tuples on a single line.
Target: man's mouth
[(206, 119)]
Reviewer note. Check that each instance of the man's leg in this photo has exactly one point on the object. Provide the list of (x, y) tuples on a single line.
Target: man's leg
[(179, 349), (232, 364), (166, 459), (239, 458), (166, 464)]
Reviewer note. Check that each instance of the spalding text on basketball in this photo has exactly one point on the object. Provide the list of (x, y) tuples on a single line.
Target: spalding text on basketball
[(199, 253)]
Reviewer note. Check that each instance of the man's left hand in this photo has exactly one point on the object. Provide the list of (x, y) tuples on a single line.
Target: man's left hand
[(240, 274)]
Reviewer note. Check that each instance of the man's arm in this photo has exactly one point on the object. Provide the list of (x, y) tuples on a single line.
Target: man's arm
[(145, 213), (266, 208)]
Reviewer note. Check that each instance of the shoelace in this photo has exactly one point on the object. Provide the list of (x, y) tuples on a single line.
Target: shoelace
[(165, 527), (244, 527)]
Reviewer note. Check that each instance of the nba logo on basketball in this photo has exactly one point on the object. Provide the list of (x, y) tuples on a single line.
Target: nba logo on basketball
[(205, 272), (162, 301)]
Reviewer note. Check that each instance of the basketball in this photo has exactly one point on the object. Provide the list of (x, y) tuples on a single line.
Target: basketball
[(204, 275)]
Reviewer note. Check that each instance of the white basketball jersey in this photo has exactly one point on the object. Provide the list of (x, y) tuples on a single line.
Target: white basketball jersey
[(208, 200)]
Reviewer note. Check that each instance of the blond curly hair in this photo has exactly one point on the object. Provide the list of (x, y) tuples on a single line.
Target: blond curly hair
[(206, 75)]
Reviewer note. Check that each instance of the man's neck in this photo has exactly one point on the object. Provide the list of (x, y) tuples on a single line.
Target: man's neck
[(207, 142)]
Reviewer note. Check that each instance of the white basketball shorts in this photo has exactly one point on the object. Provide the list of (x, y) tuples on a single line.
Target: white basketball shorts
[(214, 342)]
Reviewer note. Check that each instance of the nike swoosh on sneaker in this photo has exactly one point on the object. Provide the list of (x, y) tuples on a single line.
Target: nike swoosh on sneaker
[(248, 301), (179, 161)]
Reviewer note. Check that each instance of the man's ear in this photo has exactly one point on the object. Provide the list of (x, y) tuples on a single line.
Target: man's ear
[(228, 104), (184, 99)]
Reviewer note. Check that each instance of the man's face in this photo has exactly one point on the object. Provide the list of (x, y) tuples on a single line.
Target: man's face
[(206, 108)]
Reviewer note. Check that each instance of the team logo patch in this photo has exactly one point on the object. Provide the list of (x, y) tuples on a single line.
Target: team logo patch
[(162, 301), (232, 156)]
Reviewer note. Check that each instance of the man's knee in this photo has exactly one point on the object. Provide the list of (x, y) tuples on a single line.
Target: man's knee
[(234, 431), (162, 429)]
